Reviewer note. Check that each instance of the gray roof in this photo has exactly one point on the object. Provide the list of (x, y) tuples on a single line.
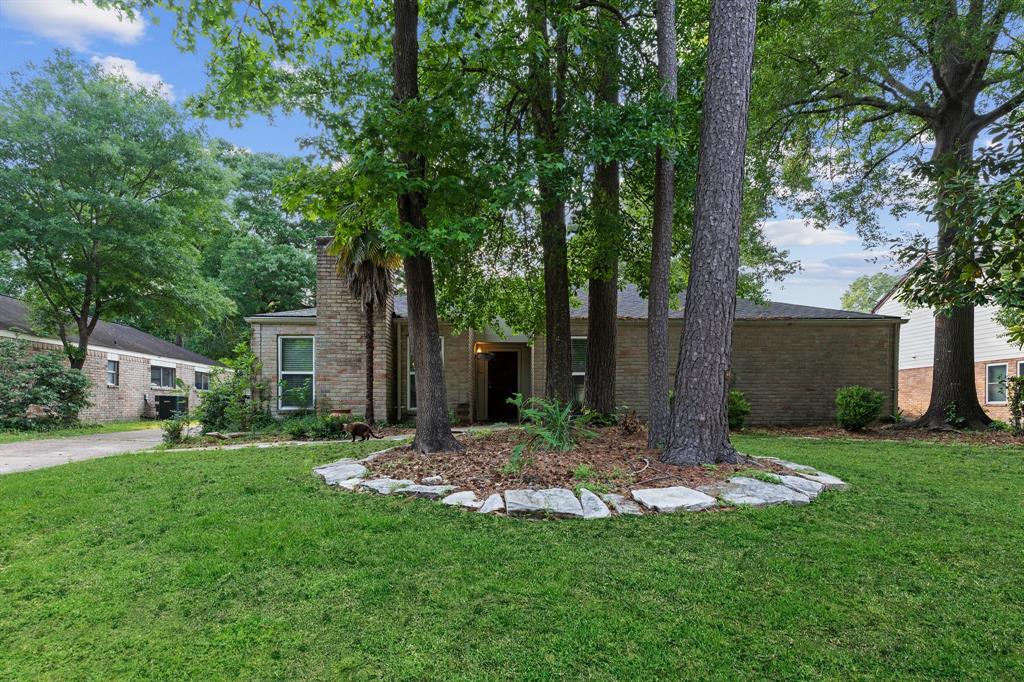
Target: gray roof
[(14, 316), (632, 306)]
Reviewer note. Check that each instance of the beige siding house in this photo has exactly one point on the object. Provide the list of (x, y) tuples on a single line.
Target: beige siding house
[(788, 359)]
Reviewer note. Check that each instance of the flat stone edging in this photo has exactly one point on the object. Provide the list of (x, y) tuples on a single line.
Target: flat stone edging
[(801, 486)]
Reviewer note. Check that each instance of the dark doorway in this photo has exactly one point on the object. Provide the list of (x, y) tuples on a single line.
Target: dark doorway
[(502, 384), (169, 405)]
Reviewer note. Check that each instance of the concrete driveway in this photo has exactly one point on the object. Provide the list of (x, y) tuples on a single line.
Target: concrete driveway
[(39, 454)]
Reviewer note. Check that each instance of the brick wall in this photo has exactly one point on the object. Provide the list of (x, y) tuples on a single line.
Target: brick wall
[(133, 397), (789, 371), (264, 345), (916, 387), (459, 362), (340, 345)]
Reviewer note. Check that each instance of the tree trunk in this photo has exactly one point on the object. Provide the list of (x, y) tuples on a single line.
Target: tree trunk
[(433, 430), (370, 416), (700, 430), (661, 241), (954, 397), (603, 287), (558, 340)]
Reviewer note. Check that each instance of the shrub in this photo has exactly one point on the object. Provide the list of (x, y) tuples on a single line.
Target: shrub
[(233, 402), (42, 380), (738, 409), (175, 428), (556, 425), (1015, 397), (315, 427), (858, 406)]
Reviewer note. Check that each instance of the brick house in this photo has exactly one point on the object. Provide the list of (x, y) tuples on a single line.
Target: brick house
[(788, 359), (995, 358), (134, 375)]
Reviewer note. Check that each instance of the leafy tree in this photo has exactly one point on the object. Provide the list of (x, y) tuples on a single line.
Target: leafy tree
[(368, 267), (42, 380), (104, 195), (700, 428), (865, 291), (868, 91)]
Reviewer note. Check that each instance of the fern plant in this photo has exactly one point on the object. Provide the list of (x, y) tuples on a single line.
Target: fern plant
[(550, 424)]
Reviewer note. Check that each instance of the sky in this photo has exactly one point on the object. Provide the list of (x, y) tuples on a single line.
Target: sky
[(145, 52)]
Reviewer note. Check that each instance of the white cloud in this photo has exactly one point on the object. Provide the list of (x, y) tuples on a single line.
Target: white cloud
[(130, 70), (795, 232), (72, 24)]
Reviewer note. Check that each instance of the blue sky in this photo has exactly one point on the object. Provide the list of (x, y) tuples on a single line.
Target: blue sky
[(144, 51)]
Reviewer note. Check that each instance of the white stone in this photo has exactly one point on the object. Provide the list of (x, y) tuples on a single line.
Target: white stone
[(829, 481), (427, 492), (466, 498), (557, 502), (793, 466), (342, 470), (433, 480), (593, 507), (674, 499), (350, 484), (384, 486), (755, 493), (802, 485), (623, 505), (494, 503)]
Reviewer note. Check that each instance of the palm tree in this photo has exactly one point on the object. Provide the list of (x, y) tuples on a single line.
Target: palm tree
[(368, 268)]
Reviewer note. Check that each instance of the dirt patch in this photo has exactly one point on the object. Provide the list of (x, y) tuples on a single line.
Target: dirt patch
[(610, 462), (893, 432)]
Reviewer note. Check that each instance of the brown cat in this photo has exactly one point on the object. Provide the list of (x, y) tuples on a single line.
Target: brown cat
[(360, 430)]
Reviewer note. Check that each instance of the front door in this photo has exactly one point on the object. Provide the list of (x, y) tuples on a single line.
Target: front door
[(502, 384)]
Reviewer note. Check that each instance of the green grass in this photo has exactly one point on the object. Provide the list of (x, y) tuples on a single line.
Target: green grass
[(80, 430), (241, 565)]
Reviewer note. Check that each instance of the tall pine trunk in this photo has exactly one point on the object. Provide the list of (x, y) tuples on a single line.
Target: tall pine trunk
[(661, 241), (700, 430), (546, 111), (433, 430), (369, 313), (603, 287)]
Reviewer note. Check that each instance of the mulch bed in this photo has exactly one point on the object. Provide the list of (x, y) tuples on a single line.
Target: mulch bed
[(617, 462)]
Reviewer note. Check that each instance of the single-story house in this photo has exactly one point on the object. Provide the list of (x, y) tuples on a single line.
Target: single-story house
[(789, 360), (995, 357), (134, 374)]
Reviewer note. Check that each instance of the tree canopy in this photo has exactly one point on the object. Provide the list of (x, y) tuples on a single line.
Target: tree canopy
[(865, 291)]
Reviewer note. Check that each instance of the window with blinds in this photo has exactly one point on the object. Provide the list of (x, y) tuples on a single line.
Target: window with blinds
[(295, 372), (579, 366)]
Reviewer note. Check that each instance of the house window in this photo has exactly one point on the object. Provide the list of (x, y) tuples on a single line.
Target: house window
[(202, 381), (295, 381), (579, 366), (995, 384), (113, 372), (161, 377), (411, 383)]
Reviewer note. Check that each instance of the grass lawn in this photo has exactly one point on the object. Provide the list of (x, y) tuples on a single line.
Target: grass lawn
[(80, 430), (241, 564)]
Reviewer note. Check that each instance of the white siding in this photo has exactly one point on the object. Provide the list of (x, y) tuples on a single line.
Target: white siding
[(917, 337)]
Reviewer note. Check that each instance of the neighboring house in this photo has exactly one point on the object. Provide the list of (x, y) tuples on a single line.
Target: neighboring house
[(788, 359), (133, 374), (995, 357)]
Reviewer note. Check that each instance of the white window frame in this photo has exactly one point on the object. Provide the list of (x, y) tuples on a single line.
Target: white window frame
[(584, 372), (989, 383), (312, 374), (409, 372), (195, 379), (157, 365), (117, 373)]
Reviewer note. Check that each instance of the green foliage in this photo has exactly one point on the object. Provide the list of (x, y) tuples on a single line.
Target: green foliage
[(738, 409), (858, 406), (551, 424), (176, 428), (760, 475), (315, 426), (42, 380), (865, 291), (517, 461), (234, 401), (953, 416), (106, 197), (1015, 399)]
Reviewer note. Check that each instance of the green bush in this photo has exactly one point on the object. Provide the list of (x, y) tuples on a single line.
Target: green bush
[(858, 406), (1015, 398), (739, 409), (551, 423), (42, 380), (315, 427), (233, 402), (175, 428)]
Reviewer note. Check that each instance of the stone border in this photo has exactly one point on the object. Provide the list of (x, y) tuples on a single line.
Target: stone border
[(801, 486)]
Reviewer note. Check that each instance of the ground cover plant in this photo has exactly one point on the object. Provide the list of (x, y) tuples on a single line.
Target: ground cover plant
[(242, 564)]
